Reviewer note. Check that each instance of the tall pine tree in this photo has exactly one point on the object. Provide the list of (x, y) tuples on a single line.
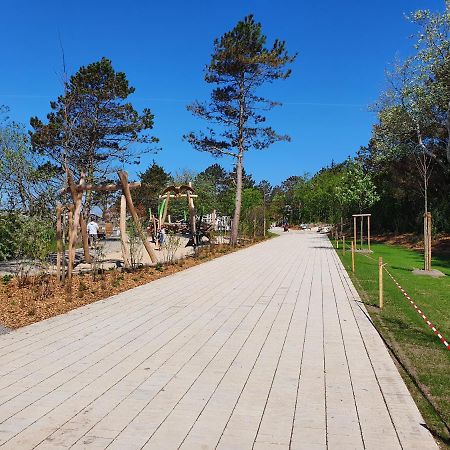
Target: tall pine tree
[(241, 63)]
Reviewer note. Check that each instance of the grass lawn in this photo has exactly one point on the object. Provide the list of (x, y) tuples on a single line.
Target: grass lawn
[(425, 359)]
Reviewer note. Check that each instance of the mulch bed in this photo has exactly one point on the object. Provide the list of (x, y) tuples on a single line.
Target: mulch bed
[(40, 297)]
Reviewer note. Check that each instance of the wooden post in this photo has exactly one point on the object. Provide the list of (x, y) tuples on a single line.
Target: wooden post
[(362, 231), (126, 191), (77, 196), (85, 239), (123, 232), (368, 231), (63, 242), (354, 230), (70, 249), (192, 214), (427, 240), (380, 282), (59, 245), (343, 244), (353, 257)]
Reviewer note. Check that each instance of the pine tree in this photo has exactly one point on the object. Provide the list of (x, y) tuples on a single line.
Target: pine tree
[(241, 63)]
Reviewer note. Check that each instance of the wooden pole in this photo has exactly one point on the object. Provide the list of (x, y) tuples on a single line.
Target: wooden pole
[(354, 230), (126, 191), (85, 239), (58, 243), (192, 214), (425, 243), (63, 242), (123, 232), (77, 196), (343, 244), (71, 249), (380, 282), (368, 231), (429, 240), (362, 231), (353, 257)]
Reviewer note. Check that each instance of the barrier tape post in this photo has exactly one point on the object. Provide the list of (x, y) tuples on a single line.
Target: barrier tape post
[(380, 282), (353, 256)]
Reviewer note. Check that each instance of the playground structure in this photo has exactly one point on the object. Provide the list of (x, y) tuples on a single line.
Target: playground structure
[(355, 231), (76, 221)]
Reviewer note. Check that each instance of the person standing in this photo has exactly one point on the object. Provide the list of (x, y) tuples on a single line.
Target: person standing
[(92, 228), (161, 237)]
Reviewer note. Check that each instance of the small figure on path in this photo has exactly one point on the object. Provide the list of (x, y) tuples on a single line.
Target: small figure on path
[(92, 228), (285, 226), (161, 237)]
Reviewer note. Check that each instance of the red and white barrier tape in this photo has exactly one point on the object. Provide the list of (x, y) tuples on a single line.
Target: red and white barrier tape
[(424, 317)]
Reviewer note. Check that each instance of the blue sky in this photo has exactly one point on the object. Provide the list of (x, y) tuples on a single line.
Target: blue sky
[(343, 50)]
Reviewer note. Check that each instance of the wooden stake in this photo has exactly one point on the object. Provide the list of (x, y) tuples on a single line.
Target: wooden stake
[(71, 249), (192, 214), (429, 240), (362, 232), (354, 230), (380, 282), (343, 244), (368, 231), (353, 257), (85, 239), (126, 191), (59, 245), (123, 232)]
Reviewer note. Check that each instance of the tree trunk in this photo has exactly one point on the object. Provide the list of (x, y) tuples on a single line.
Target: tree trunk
[(448, 130), (126, 191), (238, 203)]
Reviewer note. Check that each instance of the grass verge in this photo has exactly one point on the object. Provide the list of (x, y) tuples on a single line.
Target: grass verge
[(423, 360)]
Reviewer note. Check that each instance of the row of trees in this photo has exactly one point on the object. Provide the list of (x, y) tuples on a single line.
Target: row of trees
[(93, 129)]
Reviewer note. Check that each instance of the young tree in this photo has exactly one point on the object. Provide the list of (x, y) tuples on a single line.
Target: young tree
[(27, 183), (357, 188), (241, 63), (92, 127)]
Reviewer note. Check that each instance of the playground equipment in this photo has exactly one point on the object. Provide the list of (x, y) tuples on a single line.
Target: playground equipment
[(77, 221)]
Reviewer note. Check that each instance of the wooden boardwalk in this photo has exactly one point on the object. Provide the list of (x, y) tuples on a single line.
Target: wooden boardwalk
[(265, 348)]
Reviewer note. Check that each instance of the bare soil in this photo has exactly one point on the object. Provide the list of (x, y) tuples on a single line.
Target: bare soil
[(441, 243)]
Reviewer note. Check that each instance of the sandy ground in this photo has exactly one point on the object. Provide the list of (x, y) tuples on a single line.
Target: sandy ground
[(111, 256)]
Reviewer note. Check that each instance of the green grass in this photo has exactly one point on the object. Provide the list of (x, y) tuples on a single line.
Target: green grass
[(425, 359)]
